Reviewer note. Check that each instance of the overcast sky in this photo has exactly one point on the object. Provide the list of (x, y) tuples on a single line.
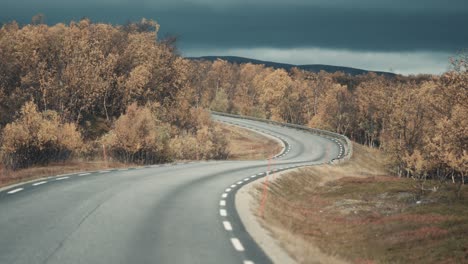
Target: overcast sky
[(404, 36)]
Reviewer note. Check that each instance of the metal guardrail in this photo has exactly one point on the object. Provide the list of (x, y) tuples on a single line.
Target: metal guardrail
[(344, 140)]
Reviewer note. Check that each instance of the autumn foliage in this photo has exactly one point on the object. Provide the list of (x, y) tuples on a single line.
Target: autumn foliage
[(37, 139), (137, 137), (419, 120), (124, 87), (119, 86)]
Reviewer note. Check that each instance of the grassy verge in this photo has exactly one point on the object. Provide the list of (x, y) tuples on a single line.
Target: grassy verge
[(243, 145), (355, 213), (248, 145), (8, 177)]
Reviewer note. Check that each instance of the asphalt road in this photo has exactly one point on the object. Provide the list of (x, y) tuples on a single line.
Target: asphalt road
[(174, 213)]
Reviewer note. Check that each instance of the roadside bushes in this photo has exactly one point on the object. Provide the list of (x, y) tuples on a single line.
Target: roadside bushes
[(38, 138), (207, 143), (138, 137)]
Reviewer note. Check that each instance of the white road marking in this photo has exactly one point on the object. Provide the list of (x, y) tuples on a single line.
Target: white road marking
[(83, 174), (260, 174), (227, 225), (239, 182), (15, 191), (104, 171), (237, 244), (222, 203), (248, 262), (222, 212), (233, 186), (228, 189), (39, 183), (253, 176), (224, 195), (62, 178), (246, 179)]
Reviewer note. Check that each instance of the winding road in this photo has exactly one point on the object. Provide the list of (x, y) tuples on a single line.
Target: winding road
[(172, 213)]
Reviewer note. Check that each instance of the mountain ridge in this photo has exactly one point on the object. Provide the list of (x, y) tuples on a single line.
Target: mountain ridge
[(307, 67)]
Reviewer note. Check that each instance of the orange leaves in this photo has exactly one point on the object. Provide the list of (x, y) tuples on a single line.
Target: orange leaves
[(38, 138), (138, 137)]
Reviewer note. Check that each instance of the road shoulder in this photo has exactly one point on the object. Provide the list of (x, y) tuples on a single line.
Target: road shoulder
[(246, 204)]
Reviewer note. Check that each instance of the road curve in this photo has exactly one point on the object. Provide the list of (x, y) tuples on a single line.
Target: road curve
[(173, 213)]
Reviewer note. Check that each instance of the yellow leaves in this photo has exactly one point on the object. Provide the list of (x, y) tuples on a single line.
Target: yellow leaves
[(138, 79), (136, 134), (38, 138)]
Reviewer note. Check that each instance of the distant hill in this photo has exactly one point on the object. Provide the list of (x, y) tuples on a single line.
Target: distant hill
[(276, 65)]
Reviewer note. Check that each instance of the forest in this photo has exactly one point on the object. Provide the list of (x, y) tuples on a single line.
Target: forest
[(68, 90)]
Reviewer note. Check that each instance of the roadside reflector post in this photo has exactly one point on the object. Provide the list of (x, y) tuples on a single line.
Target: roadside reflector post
[(104, 154), (261, 209)]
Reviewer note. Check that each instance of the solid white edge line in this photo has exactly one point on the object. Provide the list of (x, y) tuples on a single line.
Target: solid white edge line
[(227, 225), (15, 191), (222, 212), (237, 244), (39, 183), (222, 203)]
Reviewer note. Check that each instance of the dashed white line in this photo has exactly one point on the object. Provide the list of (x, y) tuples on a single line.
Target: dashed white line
[(248, 262), (227, 225), (222, 203), (222, 212), (39, 183), (260, 174), (239, 182), (62, 178), (247, 179), (237, 244), (233, 186), (15, 191), (224, 195), (253, 176), (228, 189), (84, 174), (104, 171)]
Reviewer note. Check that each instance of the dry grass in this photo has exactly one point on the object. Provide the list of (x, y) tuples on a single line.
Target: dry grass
[(8, 177), (243, 145), (248, 145), (353, 212)]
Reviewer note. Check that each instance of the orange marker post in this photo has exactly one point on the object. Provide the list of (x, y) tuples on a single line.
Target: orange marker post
[(261, 209)]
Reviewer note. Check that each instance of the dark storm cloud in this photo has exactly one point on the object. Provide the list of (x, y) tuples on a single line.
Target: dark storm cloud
[(372, 25)]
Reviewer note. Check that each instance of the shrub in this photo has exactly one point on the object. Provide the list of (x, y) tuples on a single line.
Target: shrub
[(37, 139), (207, 143), (138, 137)]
